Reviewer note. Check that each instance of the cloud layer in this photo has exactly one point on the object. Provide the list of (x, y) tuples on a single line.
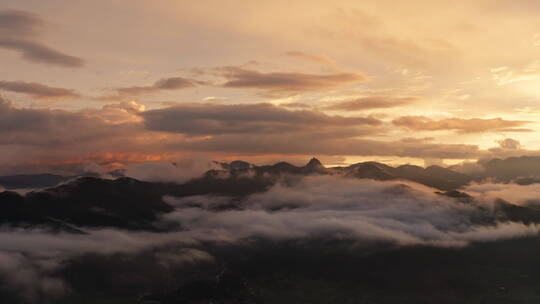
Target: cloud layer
[(37, 90), (374, 102), (281, 82), (208, 119), (361, 212), (19, 32), (351, 209), (173, 83), (460, 125)]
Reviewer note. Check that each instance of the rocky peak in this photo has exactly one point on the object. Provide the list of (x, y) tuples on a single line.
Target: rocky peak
[(313, 166), (314, 163)]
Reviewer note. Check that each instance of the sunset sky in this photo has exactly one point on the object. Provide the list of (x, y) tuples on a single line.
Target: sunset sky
[(98, 85)]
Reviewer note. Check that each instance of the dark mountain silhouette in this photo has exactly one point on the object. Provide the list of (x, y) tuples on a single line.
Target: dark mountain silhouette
[(317, 270), (433, 176), (132, 204), (314, 166), (88, 201), (31, 181), (37, 181), (509, 169), (372, 170)]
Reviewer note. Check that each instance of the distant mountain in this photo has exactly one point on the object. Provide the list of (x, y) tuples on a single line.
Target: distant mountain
[(319, 270), (87, 201), (39, 181), (25, 181), (433, 176), (510, 169), (239, 168), (132, 204)]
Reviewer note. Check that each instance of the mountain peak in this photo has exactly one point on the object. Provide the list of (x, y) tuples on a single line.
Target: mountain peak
[(314, 166), (313, 163)]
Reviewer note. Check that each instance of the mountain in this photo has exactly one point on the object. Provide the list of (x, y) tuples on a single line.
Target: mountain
[(238, 167), (433, 176), (132, 204), (87, 202), (314, 166), (324, 268), (509, 169), (372, 170), (26, 181)]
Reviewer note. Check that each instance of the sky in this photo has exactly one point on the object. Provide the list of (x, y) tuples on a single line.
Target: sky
[(101, 85)]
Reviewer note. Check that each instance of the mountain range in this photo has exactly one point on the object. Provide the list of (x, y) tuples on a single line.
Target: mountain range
[(127, 203), (522, 170), (332, 265)]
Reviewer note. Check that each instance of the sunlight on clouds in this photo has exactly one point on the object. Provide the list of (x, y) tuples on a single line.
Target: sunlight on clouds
[(377, 60)]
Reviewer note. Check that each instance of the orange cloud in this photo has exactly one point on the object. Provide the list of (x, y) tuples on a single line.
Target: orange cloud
[(283, 82), (374, 102), (37, 90), (473, 125), (310, 57)]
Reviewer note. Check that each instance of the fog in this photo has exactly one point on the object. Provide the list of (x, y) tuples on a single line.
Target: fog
[(360, 211)]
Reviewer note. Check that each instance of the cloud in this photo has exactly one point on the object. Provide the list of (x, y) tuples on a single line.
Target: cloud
[(178, 170), (119, 134), (506, 75), (54, 127), (37, 138), (37, 90), (343, 141), (31, 260), (361, 212), (374, 102), (211, 119), (282, 82), (173, 83), (18, 32), (369, 35), (509, 143), (273, 83), (347, 209), (473, 125), (524, 195), (31, 281), (18, 23), (37, 52), (299, 105), (311, 57)]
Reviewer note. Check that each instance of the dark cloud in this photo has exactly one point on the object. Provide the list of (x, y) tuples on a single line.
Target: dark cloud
[(374, 102), (208, 119), (509, 143), (37, 52), (40, 136), (39, 140), (173, 83), (31, 259), (273, 84), (48, 127), (334, 142), (280, 82), (36, 89), (18, 23), (473, 125), (18, 31)]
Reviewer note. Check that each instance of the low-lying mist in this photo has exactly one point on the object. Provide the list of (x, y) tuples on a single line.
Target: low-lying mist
[(361, 212)]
